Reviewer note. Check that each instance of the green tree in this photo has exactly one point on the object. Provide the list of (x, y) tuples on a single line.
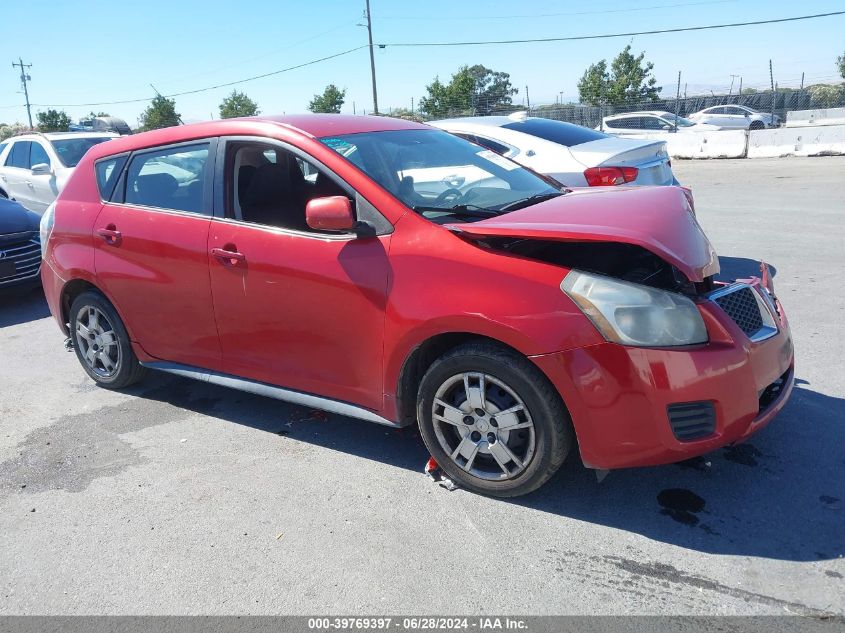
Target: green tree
[(840, 61), (472, 90), (160, 113), (238, 104), (94, 115), (629, 80), (53, 121), (330, 101), (826, 95)]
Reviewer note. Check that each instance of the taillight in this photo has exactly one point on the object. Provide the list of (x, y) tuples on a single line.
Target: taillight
[(609, 176), (688, 194), (46, 227)]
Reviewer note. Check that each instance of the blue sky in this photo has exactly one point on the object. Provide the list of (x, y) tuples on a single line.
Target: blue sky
[(99, 51)]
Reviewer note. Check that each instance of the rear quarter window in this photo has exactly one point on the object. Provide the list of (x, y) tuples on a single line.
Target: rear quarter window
[(559, 132), (108, 172)]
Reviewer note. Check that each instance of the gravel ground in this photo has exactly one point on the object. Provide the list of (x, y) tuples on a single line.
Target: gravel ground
[(182, 498)]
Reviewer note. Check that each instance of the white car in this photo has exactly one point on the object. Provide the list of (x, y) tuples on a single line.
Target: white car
[(650, 122), (735, 117), (34, 167), (571, 154)]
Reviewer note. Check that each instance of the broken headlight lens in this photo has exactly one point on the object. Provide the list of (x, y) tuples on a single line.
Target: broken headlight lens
[(631, 314)]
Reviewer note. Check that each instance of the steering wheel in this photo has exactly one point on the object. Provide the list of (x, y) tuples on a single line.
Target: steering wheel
[(450, 194)]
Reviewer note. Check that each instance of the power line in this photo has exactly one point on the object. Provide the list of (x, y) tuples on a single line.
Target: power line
[(452, 18), (609, 35), (207, 88)]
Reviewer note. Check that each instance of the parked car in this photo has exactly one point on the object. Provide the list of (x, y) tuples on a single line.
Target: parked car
[(574, 155), (34, 167), (650, 122), (20, 246), (512, 321), (101, 124), (735, 117)]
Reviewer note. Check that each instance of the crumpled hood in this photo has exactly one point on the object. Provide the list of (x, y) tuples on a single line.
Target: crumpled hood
[(14, 218), (658, 219)]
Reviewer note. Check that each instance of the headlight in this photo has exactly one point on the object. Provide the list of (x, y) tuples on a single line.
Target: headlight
[(46, 227), (631, 314)]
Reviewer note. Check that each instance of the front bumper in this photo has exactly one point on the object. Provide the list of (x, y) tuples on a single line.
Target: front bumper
[(618, 396)]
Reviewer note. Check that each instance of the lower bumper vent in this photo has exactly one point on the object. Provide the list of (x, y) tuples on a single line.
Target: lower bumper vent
[(692, 420)]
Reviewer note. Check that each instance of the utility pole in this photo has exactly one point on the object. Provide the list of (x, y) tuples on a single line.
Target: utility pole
[(731, 89), (527, 100), (772, 79), (802, 81), (25, 78), (372, 58), (740, 87), (412, 105), (678, 101)]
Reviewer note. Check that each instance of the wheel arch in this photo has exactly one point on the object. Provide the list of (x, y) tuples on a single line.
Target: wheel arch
[(421, 357)]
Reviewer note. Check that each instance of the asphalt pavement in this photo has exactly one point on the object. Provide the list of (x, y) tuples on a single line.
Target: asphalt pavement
[(177, 497)]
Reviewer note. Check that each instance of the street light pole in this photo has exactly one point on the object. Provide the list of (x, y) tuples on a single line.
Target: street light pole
[(25, 78), (372, 58)]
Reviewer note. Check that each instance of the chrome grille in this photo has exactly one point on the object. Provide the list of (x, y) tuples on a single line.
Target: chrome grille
[(742, 307), (26, 256)]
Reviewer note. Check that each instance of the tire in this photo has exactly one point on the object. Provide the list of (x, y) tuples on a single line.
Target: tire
[(101, 343), (469, 443), (3, 195), (757, 125)]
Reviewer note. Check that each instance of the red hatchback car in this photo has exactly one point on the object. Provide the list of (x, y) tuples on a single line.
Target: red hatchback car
[(389, 271)]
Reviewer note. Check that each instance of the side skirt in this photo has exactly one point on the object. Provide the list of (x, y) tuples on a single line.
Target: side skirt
[(271, 391)]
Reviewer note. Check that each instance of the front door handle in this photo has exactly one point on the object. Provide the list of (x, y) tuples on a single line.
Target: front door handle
[(228, 255), (110, 235), (29, 183)]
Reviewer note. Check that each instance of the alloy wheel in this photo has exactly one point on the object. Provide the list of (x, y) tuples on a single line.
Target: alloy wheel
[(97, 342), (484, 426)]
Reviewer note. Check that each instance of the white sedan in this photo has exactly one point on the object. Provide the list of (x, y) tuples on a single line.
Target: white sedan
[(573, 155), (735, 117), (652, 121)]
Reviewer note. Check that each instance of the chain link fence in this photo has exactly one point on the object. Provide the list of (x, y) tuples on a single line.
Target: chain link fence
[(778, 103)]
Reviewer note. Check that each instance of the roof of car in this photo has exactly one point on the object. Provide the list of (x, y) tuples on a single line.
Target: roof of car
[(312, 125), (639, 113), (491, 121), (56, 136)]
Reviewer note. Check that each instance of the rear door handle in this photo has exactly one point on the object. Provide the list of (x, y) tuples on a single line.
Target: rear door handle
[(229, 255), (110, 235), (28, 183)]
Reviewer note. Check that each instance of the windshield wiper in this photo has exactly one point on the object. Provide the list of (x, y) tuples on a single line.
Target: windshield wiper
[(461, 210), (527, 202)]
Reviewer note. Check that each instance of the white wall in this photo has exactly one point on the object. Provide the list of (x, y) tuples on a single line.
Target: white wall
[(823, 140)]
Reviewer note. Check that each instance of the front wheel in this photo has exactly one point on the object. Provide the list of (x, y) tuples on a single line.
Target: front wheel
[(101, 342), (492, 420)]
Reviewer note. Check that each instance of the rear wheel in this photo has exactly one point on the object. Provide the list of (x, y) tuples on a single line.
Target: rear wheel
[(757, 125), (492, 420), (101, 342)]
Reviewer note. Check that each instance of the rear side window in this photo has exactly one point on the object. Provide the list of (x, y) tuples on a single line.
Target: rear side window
[(108, 171), (556, 131), (19, 155), (172, 178)]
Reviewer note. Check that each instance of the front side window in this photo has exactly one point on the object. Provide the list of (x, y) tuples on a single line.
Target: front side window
[(441, 176), (19, 155), (38, 155), (556, 131), (271, 186), (70, 151), (173, 178)]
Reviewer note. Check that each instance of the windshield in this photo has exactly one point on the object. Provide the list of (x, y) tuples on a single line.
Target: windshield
[(682, 122), (71, 150), (441, 176)]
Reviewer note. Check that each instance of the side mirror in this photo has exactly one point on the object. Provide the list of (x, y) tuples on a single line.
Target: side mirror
[(666, 126), (333, 213), (40, 169)]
